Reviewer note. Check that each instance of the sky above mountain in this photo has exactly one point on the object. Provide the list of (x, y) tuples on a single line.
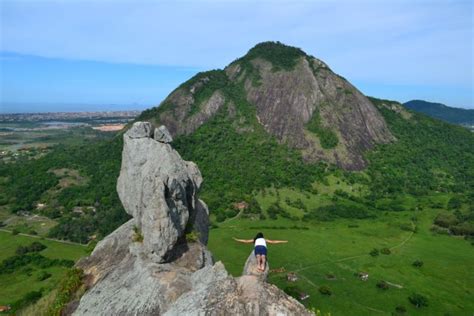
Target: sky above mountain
[(136, 52)]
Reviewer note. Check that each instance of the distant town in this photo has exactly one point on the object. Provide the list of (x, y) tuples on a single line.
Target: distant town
[(69, 116)]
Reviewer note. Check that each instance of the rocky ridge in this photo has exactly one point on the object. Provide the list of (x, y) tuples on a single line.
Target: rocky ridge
[(158, 263)]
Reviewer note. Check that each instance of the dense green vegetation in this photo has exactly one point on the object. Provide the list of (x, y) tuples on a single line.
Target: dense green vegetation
[(327, 137), (428, 156), (281, 56)]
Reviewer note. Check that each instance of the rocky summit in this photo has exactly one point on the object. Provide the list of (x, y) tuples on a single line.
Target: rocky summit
[(295, 97), (158, 263)]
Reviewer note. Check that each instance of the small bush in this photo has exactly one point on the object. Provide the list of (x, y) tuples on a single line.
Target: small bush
[(374, 252), (400, 309), (418, 300), (27, 299), (71, 283), (15, 231), (33, 247), (43, 276), (330, 276), (385, 251), (292, 291), (407, 227), (417, 263), (192, 236), (325, 290), (382, 285), (137, 234)]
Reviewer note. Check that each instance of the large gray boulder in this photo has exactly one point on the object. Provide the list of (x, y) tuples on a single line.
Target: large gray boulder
[(158, 188), (153, 265)]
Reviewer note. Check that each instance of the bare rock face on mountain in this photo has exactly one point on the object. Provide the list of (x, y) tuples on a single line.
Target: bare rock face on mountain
[(296, 97), (157, 263), (304, 106)]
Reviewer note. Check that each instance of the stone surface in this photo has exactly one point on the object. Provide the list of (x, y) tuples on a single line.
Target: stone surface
[(140, 130), (287, 100), (251, 268), (158, 189), (166, 274), (162, 135)]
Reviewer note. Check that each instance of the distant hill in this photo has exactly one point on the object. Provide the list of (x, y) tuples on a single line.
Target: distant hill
[(442, 112)]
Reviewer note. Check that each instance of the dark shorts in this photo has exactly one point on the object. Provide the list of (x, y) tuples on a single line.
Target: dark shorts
[(261, 250)]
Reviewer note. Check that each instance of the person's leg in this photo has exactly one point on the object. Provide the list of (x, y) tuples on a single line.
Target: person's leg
[(259, 258), (264, 261)]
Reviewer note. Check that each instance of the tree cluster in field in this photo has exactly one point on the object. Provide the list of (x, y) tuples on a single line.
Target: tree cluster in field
[(33, 247), (13, 263), (458, 220)]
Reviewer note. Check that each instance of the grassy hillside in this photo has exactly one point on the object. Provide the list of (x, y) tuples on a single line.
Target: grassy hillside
[(331, 254), (37, 278)]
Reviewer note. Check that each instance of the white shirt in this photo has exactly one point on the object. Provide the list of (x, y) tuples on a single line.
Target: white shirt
[(260, 242)]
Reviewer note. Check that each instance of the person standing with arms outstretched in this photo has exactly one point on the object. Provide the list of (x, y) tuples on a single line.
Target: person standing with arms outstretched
[(260, 244)]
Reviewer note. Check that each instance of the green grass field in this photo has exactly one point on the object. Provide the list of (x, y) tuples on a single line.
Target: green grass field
[(332, 253), (14, 286)]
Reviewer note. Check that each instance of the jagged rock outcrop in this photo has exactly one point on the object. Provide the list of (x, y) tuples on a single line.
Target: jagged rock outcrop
[(158, 189), (157, 263)]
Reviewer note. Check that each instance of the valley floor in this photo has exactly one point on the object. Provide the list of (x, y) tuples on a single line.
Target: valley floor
[(333, 253)]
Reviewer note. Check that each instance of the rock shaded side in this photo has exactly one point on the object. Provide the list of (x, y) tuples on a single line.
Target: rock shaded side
[(148, 267)]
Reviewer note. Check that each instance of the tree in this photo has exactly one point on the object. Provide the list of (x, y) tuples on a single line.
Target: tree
[(418, 300)]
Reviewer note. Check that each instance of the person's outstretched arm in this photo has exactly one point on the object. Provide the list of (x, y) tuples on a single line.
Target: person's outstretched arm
[(276, 241), (245, 241)]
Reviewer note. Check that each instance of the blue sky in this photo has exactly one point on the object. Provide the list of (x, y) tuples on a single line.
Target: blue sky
[(75, 55)]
